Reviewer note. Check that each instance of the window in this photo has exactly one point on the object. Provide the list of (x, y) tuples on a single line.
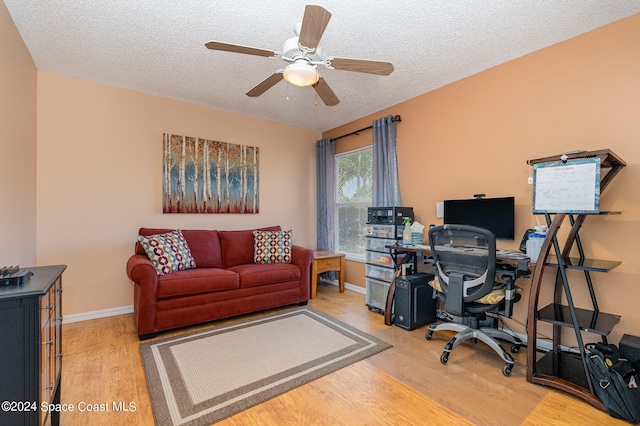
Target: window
[(354, 182)]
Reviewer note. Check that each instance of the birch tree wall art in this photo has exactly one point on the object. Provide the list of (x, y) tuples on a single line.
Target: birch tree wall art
[(206, 176)]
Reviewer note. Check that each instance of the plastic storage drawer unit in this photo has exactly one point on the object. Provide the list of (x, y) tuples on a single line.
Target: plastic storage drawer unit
[(376, 294)]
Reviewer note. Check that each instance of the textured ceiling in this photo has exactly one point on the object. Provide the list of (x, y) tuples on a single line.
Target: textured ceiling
[(157, 46)]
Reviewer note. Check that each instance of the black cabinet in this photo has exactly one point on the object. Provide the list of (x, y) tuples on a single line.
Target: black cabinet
[(31, 348)]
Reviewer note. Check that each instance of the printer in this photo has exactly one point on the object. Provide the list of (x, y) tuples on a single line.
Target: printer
[(388, 215)]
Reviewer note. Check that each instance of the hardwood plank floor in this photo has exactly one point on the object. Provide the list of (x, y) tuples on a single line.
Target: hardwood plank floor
[(404, 385)]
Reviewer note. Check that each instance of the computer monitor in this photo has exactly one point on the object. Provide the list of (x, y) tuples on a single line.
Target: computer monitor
[(494, 214)]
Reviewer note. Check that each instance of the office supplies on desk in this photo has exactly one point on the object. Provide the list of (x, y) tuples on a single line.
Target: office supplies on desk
[(525, 237), (417, 231), (534, 244), (509, 254)]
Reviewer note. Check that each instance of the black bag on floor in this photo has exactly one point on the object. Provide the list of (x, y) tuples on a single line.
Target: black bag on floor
[(614, 380)]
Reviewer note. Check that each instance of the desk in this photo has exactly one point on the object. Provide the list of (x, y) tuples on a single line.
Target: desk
[(413, 253), (325, 261), (503, 257)]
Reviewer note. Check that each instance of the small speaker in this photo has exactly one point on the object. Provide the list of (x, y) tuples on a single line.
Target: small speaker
[(630, 348)]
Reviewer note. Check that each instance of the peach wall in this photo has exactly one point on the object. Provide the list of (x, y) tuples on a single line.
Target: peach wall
[(100, 179), (475, 136), (17, 147)]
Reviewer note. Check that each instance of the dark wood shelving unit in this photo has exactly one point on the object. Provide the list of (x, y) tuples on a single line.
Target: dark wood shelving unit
[(560, 368)]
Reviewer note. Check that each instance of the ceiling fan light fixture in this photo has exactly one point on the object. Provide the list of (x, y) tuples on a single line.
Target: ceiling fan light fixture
[(301, 74)]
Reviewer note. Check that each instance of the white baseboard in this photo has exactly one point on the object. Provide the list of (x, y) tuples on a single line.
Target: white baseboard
[(355, 288), (348, 286), (103, 313)]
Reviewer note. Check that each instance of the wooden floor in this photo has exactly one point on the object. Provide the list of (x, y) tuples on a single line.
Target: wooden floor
[(404, 385)]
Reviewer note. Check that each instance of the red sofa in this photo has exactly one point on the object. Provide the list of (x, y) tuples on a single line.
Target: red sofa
[(226, 282)]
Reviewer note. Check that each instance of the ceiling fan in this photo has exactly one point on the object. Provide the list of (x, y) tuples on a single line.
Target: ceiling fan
[(304, 55)]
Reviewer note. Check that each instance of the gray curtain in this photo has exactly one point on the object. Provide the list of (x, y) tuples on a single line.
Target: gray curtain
[(325, 154), (386, 188)]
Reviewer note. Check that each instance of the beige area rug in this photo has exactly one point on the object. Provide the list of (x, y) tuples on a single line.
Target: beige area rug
[(203, 377)]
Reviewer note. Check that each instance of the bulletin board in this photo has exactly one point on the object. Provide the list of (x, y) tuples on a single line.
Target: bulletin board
[(572, 186)]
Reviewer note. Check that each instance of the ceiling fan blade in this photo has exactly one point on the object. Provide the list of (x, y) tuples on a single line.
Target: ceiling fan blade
[(326, 94), (266, 84), (227, 47), (315, 20), (360, 65)]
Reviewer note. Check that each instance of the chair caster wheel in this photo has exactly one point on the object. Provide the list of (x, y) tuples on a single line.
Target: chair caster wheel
[(444, 357), (429, 335), (515, 348), (506, 369)]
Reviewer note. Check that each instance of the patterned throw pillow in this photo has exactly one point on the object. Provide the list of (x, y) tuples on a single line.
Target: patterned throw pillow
[(168, 252), (272, 246)]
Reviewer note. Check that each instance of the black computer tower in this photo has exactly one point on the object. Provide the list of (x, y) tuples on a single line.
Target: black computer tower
[(414, 302)]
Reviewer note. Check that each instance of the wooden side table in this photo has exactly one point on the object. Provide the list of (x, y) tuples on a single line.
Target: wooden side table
[(325, 261)]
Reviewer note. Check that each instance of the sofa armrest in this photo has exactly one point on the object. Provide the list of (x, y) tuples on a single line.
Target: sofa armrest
[(141, 272), (303, 258)]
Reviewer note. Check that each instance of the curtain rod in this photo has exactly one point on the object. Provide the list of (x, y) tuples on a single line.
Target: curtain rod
[(356, 132)]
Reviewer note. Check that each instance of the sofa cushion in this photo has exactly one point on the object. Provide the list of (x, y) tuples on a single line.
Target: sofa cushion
[(272, 246), (169, 252), (204, 245), (253, 275), (196, 281), (237, 246)]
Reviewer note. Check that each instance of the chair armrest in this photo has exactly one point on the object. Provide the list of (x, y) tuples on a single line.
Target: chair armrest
[(303, 258), (510, 296)]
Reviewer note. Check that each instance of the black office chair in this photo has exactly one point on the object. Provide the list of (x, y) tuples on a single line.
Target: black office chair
[(465, 263)]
